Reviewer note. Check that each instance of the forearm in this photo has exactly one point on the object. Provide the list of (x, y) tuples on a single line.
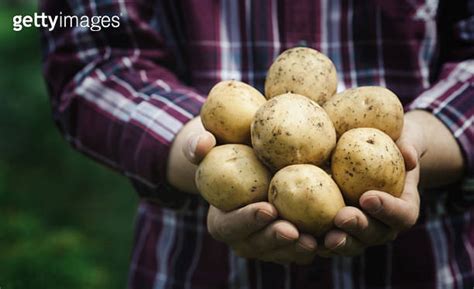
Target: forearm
[(441, 158)]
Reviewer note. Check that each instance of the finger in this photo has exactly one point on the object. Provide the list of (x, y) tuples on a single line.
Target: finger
[(343, 243), (306, 243), (292, 253), (364, 228), (272, 238), (240, 223), (278, 234), (398, 213), (198, 145)]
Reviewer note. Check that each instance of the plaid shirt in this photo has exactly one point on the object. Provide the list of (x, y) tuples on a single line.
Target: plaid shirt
[(121, 95)]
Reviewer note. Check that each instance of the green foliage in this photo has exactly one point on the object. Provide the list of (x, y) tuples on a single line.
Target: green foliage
[(65, 221), (35, 257)]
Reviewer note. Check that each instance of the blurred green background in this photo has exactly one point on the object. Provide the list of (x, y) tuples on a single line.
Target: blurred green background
[(65, 221)]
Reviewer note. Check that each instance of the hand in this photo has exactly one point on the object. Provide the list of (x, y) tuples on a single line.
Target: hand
[(198, 142), (185, 154), (251, 231), (382, 216)]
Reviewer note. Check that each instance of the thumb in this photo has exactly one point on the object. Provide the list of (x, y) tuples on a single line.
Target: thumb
[(240, 223), (198, 145)]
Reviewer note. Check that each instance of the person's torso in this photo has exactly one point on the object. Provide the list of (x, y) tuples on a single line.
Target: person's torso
[(373, 42)]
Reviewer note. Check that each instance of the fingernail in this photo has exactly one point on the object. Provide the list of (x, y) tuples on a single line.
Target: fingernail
[(283, 237), (305, 244), (349, 224), (372, 205), (339, 244), (192, 145), (264, 217)]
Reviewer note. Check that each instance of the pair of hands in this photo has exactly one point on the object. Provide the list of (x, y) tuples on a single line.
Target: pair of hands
[(255, 231)]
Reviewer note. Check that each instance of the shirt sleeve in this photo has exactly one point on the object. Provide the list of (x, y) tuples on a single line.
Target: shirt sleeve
[(115, 93), (451, 97)]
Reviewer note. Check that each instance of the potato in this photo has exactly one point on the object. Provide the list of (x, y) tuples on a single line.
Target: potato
[(367, 159), (229, 110), (231, 176), (369, 106), (302, 71), (292, 129), (307, 197)]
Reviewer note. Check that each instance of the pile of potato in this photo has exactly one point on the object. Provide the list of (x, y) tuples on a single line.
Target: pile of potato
[(302, 147)]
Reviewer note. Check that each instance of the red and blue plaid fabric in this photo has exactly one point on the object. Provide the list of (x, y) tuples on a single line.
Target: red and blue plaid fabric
[(120, 96)]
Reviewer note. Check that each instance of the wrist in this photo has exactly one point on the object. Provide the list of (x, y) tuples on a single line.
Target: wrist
[(440, 156)]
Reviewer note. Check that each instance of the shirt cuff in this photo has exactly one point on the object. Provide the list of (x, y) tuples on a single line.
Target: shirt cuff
[(451, 101)]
